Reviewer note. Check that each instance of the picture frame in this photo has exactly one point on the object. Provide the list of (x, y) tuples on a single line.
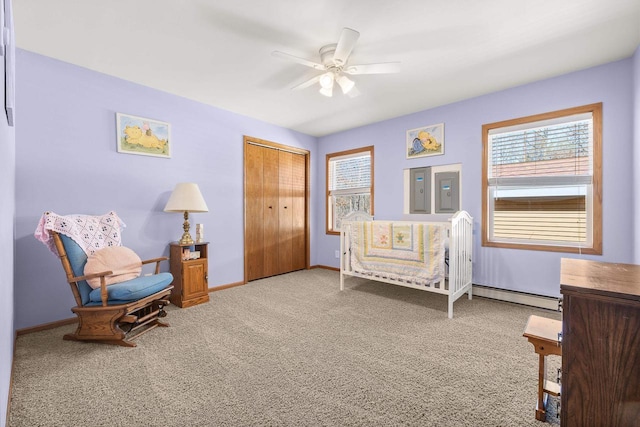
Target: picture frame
[(425, 141), (143, 136)]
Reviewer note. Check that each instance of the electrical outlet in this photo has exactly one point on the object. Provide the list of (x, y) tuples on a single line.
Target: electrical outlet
[(337, 255)]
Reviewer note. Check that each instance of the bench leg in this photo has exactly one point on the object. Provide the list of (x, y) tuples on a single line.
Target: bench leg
[(541, 411)]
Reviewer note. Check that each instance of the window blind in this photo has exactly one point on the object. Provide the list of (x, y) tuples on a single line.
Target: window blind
[(350, 172), (559, 149)]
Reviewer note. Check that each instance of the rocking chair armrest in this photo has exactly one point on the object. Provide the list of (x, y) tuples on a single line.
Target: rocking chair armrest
[(103, 283), (90, 276), (149, 261), (157, 261), (104, 297)]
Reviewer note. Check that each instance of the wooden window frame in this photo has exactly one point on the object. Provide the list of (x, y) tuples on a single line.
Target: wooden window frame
[(596, 186), (330, 156)]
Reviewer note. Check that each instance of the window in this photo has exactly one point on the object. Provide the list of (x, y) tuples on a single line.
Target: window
[(542, 180), (349, 185)]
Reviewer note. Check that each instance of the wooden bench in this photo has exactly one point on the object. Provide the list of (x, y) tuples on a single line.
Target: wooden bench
[(544, 334)]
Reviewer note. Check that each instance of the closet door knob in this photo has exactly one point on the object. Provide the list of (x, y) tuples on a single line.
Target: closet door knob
[(285, 207), (270, 207)]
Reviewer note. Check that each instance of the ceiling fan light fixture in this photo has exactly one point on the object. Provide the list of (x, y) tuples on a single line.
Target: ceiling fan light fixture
[(326, 80), (346, 84), (327, 91), (333, 65)]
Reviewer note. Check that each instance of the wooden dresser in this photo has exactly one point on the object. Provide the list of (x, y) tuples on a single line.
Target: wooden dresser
[(600, 344)]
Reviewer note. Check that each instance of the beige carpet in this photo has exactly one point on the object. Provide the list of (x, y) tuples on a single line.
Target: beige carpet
[(293, 350)]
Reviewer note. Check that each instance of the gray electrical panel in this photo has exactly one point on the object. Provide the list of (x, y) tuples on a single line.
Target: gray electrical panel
[(447, 192), (420, 196)]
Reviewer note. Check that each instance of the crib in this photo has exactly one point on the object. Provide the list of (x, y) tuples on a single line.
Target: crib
[(430, 256)]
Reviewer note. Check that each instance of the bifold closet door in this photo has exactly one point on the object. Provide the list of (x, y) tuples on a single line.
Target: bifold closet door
[(298, 203), (276, 211), (285, 225), (254, 212), (271, 213), (291, 229)]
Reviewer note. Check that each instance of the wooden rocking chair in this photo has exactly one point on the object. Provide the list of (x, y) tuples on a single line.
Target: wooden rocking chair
[(113, 314)]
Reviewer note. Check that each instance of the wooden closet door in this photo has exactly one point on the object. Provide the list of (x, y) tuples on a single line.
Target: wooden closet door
[(285, 214), (254, 211), (271, 211), (298, 202)]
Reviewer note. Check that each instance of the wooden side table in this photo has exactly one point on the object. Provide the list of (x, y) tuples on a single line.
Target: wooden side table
[(544, 333), (190, 276)]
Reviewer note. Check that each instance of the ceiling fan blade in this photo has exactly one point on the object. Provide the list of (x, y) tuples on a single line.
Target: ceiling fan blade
[(307, 83), (381, 68), (347, 41), (297, 59)]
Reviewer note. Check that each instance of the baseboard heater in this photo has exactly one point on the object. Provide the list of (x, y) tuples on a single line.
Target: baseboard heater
[(549, 303)]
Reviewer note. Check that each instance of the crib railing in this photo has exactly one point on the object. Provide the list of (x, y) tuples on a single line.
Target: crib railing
[(460, 253)]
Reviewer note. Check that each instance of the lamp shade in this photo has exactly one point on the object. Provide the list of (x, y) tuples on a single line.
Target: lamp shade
[(186, 197)]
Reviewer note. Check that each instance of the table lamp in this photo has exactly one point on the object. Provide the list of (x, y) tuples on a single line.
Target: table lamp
[(186, 197)]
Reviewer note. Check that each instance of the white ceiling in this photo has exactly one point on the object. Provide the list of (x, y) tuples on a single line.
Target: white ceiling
[(219, 52)]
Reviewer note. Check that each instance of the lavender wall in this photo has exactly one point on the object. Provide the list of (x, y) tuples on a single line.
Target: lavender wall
[(636, 154), (7, 211), (528, 271), (66, 162)]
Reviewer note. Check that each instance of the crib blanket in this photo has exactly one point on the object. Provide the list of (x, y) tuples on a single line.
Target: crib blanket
[(410, 252)]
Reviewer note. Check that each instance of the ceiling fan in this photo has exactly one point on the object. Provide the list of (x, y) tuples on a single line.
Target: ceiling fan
[(334, 65)]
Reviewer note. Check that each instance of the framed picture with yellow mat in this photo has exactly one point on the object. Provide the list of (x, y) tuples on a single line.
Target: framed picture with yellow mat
[(425, 141)]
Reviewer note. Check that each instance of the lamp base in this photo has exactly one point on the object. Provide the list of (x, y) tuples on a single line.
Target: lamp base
[(186, 239), (186, 236)]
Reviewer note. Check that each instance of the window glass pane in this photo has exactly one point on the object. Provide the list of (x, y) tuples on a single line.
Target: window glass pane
[(344, 204), (547, 215), (349, 185)]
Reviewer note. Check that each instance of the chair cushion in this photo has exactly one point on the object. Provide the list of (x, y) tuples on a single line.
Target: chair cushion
[(77, 258), (124, 263), (134, 289)]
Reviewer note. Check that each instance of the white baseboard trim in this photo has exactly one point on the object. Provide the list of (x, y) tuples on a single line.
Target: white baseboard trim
[(540, 301)]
